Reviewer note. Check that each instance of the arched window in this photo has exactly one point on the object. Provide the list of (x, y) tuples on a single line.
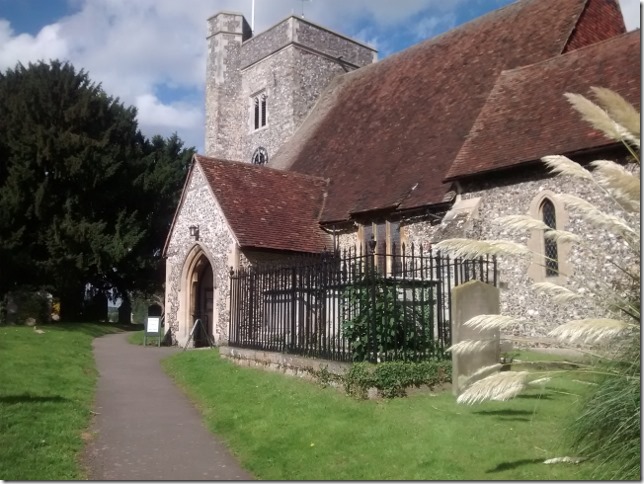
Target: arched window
[(260, 157), (550, 260), (259, 103), (549, 217)]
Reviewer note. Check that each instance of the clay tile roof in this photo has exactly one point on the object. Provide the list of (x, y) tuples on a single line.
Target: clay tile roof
[(268, 208), (388, 133), (527, 116)]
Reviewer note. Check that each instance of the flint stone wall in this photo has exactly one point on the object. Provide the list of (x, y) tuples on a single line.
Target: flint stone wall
[(291, 63), (215, 239), (308, 35), (537, 314), (273, 77), (226, 31)]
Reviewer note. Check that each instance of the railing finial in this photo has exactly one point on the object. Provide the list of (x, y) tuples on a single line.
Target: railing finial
[(372, 244)]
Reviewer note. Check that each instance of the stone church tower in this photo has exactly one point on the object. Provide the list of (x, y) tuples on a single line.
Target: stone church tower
[(259, 88)]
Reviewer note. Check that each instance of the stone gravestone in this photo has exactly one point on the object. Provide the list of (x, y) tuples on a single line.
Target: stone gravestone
[(468, 300)]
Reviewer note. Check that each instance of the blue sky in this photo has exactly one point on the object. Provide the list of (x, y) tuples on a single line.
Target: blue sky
[(152, 53)]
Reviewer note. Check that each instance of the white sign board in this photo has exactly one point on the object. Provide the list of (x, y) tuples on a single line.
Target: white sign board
[(153, 325)]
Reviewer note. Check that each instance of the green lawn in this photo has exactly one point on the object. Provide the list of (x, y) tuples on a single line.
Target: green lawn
[(535, 355), (47, 384), (284, 428), (136, 337)]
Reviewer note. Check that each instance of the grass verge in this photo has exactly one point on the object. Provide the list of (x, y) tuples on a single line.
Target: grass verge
[(47, 384), (283, 428), (136, 338)]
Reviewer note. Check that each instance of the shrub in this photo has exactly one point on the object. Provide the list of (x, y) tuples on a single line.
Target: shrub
[(401, 331), (24, 304), (392, 378)]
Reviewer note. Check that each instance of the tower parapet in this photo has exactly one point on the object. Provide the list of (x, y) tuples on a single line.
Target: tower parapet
[(279, 74), (306, 35)]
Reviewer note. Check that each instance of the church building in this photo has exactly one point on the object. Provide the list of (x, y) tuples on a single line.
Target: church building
[(312, 145)]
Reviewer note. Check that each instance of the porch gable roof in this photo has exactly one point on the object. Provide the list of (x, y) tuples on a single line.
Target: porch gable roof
[(268, 208)]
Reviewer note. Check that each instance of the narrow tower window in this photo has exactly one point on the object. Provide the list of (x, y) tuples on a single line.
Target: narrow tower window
[(550, 246), (259, 110)]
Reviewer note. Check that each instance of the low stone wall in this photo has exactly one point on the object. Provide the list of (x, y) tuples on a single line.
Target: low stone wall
[(281, 362)]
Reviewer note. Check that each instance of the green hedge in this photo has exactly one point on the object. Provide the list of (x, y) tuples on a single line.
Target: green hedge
[(391, 378)]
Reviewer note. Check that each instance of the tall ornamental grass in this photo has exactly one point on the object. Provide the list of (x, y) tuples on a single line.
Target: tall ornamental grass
[(606, 428)]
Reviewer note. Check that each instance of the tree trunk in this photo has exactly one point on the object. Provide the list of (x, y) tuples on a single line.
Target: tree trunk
[(97, 308), (71, 305), (125, 309)]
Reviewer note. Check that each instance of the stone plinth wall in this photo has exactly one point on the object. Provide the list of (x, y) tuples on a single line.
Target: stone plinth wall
[(280, 362)]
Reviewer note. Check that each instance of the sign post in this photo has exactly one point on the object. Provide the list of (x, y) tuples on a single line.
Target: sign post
[(153, 329)]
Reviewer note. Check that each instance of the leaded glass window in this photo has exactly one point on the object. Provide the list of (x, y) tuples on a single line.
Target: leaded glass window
[(550, 246), (260, 157)]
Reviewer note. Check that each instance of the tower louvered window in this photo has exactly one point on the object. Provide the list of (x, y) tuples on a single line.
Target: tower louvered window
[(550, 246)]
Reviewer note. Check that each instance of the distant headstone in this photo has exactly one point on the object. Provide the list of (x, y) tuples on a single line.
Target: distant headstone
[(155, 310), (468, 300)]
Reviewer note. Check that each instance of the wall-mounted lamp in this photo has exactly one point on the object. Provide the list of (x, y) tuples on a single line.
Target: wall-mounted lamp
[(194, 231)]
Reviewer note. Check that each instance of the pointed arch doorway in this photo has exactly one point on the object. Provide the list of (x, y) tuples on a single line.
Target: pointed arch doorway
[(199, 298)]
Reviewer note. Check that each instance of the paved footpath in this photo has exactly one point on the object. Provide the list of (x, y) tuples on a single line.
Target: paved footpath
[(145, 427)]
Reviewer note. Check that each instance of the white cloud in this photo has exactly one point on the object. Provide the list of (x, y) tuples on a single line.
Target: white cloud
[(165, 119), (366, 37), (25, 48), (136, 50), (152, 111), (429, 26), (139, 50)]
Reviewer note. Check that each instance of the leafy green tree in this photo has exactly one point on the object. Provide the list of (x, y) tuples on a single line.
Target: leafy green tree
[(139, 276), (78, 188), (157, 188)]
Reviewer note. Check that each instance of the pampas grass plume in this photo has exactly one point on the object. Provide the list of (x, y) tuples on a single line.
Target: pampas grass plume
[(499, 386)]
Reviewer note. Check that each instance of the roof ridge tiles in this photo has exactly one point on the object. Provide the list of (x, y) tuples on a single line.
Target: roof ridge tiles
[(571, 53)]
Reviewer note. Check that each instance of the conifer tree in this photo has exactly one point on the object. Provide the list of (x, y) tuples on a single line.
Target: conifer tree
[(79, 186)]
